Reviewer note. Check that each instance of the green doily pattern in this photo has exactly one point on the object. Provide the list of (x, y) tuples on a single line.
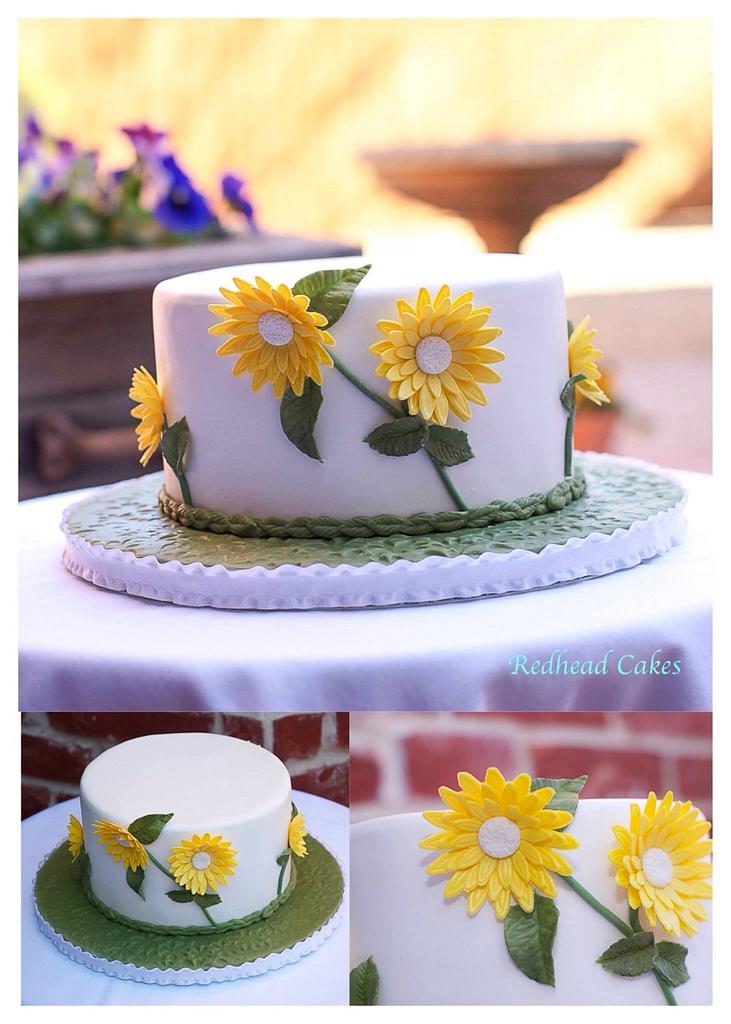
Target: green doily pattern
[(126, 517), (61, 901), (157, 929), (330, 528)]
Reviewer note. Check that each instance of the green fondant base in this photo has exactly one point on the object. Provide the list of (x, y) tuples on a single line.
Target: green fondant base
[(126, 517), (61, 902)]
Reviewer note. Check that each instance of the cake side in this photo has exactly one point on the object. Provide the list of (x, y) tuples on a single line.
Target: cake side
[(429, 950), (239, 460), (217, 858)]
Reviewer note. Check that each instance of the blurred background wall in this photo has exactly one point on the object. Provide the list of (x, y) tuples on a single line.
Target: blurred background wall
[(399, 760), (293, 105), (57, 746)]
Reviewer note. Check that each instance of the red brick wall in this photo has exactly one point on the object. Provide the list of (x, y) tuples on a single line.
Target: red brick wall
[(399, 760), (57, 746)]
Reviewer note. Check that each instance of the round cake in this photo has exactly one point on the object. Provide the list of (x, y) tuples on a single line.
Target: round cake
[(413, 941), (236, 793), (497, 335), (190, 864), (341, 435)]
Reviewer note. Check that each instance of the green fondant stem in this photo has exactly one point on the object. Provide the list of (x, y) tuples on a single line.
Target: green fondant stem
[(392, 410), (165, 871), (568, 401), (634, 920), (594, 903), (162, 867), (280, 880), (568, 445), (208, 916), (620, 925), (449, 485), (398, 413)]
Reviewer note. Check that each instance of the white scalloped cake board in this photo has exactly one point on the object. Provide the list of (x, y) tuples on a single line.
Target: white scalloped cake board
[(433, 579), (429, 951), (186, 976)]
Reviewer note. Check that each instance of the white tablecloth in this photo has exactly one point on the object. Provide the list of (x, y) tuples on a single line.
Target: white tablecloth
[(84, 648), (50, 978)]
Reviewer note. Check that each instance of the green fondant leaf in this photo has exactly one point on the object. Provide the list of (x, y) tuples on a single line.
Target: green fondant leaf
[(631, 956), (448, 446), (670, 963), (299, 415), (295, 812), (179, 895), (399, 437), (568, 392), (135, 879), (566, 796), (330, 291), (364, 984), (208, 899), (284, 857), (175, 444), (569, 328), (530, 938), (148, 827)]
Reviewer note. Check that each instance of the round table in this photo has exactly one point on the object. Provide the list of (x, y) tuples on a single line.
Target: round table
[(49, 978), (81, 647)]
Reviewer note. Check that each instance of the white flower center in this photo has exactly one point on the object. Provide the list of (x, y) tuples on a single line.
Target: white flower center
[(499, 837), (122, 841), (658, 867), (433, 354), (200, 860), (275, 328)]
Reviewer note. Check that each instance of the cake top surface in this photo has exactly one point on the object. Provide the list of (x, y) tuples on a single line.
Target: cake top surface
[(207, 780), (402, 276)]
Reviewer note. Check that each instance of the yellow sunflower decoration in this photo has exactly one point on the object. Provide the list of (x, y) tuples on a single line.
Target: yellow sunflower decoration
[(582, 359), (498, 841), (76, 836), (436, 355), (149, 412), (661, 863), (297, 833), (120, 844), (202, 862), (275, 335)]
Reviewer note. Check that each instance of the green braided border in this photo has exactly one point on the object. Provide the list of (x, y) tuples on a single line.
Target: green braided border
[(328, 527), (173, 929)]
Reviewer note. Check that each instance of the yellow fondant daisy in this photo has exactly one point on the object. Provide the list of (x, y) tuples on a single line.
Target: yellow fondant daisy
[(120, 844), (436, 355), (498, 841), (149, 412), (582, 359), (202, 862), (297, 833), (274, 333), (76, 836), (661, 862)]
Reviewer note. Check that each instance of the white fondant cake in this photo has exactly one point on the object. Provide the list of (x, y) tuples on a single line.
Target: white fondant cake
[(428, 950), (239, 460), (211, 784)]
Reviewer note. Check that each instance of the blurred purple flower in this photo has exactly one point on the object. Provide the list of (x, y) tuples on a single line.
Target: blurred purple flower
[(183, 208), (233, 190), (30, 136), (146, 140)]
